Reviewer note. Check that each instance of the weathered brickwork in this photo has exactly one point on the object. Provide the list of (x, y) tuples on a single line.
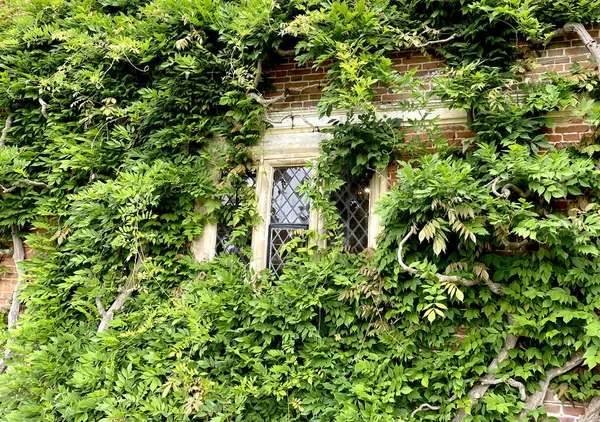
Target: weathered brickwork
[(568, 132), (563, 411), (8, 277), (8, 280), (558, 56)]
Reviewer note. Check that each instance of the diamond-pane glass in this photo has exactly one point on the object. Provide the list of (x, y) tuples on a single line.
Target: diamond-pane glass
[(279, 236), (290, 211), (352, 202), (288, 206), (229, 204)]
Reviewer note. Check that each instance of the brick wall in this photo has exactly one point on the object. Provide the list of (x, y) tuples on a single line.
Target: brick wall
[(564, 411), (568, 131), (558, 56), (8, 277), (8, 280)]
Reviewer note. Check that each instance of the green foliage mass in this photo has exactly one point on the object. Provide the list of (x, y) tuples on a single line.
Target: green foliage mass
[(121, 113)]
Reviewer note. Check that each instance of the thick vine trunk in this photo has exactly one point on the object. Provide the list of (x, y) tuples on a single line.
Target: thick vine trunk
[(483, 383), (15, 305), (590, 43), (127, 290), (537, 399), (592, 411), (18, 249), (495, 287), (4, 134)]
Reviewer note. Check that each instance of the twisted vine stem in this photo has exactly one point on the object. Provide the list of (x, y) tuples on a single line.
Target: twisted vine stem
[(571, 27), (506, 190), (26, 182), (15, 304), (495, 287), (485, 381), (7, 125), (288, 91), (592, 411), (537, 399), (18, 257), (108, 315)]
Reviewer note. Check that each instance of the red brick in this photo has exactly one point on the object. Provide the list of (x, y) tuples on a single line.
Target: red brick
[(299, 71), (280, 106), (580, 58), (574, 411), (554, 60), (431, 66), (571, 137), (418, 59), (296, 84), (554, 138), (572, 129), (313, 77), (287, 66), (310, 104), (413, 136), (313, 90), (573, 51), (552, 408), (400, 67), (391, 97), (555, 68), (300, 97), (555, 52), (465, 134), (558, 44)]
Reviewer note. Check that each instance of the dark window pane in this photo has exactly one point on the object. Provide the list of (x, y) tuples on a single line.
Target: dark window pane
[(352, 202), (290, 211), (230, 204)]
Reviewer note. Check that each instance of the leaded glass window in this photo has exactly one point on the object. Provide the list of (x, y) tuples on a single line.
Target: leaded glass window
[(229, 204), (352, 203), (290, 211)]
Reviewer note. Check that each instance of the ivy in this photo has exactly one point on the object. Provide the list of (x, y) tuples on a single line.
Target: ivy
[(126, 123)]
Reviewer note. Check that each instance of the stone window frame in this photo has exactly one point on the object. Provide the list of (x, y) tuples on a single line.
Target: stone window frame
[(378, 185), (268, 156)]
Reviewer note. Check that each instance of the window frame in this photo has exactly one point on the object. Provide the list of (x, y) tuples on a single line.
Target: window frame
[(264, 191), (267, 159)]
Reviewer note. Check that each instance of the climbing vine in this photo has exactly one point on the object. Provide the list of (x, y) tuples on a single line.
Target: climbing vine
[(124, 125)]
